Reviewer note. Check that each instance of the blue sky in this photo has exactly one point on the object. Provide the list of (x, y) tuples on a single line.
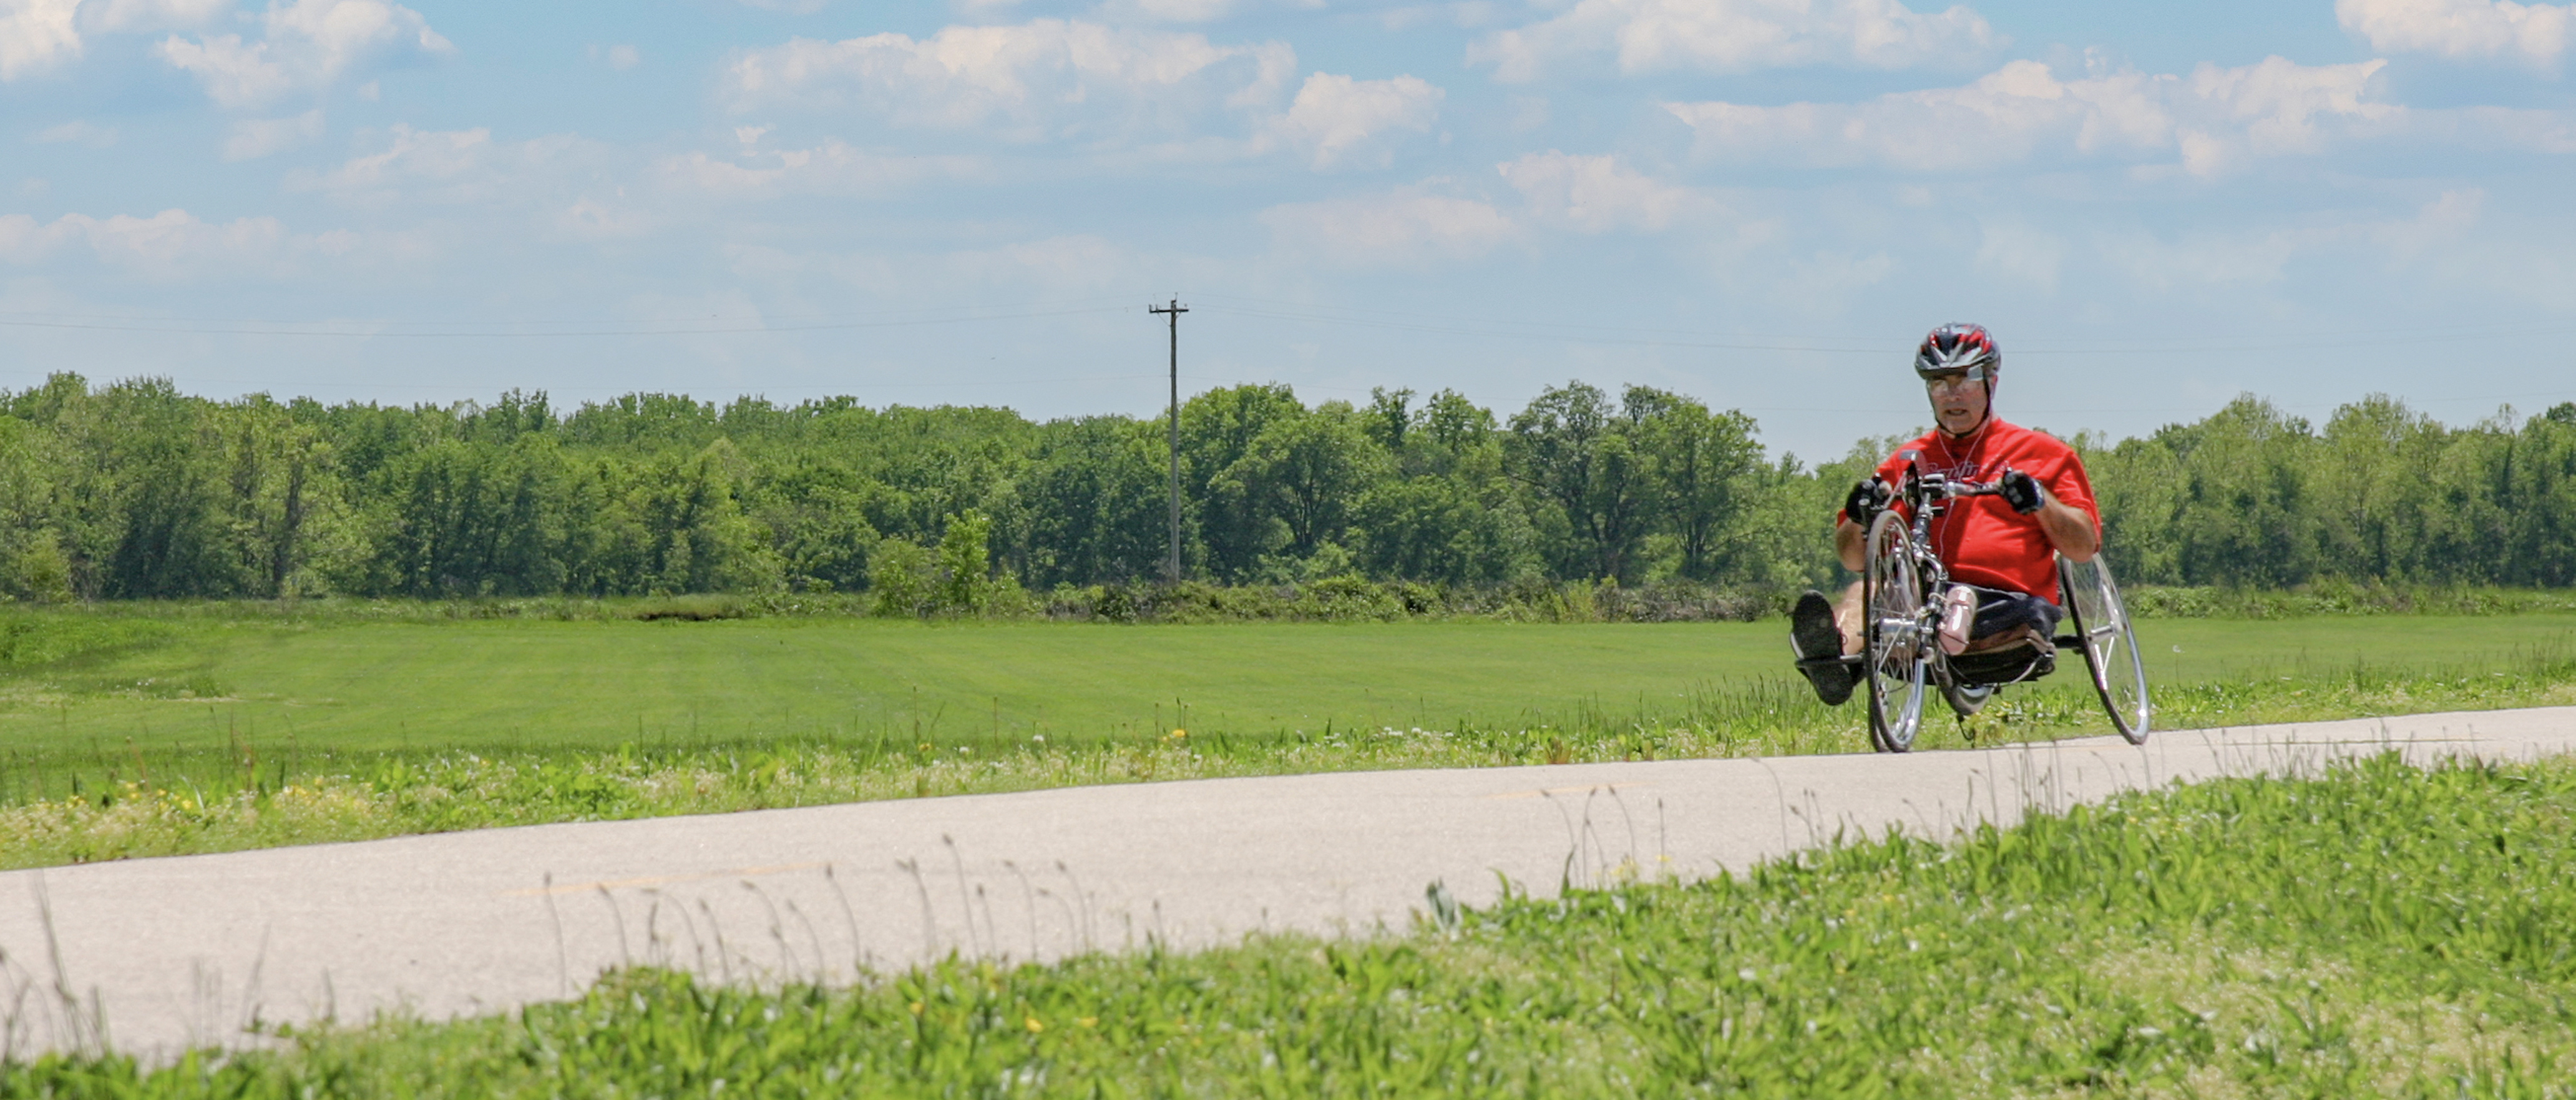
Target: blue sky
[(1762, 203)]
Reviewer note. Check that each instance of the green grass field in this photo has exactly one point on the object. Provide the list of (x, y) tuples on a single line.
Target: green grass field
[(2380, 931), (127, 732), (491, 686)]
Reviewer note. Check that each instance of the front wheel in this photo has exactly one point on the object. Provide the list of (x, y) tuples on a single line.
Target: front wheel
[(1897, 654), (2110, 646)]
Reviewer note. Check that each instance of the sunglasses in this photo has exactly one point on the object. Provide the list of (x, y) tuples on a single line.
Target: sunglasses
[(1947, 380)]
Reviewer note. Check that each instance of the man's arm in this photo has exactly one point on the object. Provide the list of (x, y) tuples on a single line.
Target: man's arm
[(1847, 543), (2068, 529)]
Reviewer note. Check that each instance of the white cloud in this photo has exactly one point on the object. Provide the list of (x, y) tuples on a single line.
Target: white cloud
[(1409, 226), (792, 7), (1078, 261), (34, 34), (2021, 252), (1734, 36), (2494, 128), (1596, 194), (2220, 259), (623, 57), (591, 217), (2462, 29), (1829, 276), (2208, 122), (309, 45), (831, 168), (1464, 14), (79, 132), (1342, 120), (1434, 221), (440, 160), (233, 73), (1168, 11), (1025, 82), (2444, 221), (559, 185), (253, 138), (133, 16), (167, 246)]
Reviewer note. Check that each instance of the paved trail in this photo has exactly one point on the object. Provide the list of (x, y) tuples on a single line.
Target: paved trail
[(172, 952)]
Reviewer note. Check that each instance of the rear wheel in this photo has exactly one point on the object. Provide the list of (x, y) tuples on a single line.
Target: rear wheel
[(2110, 646), (1893, 661)]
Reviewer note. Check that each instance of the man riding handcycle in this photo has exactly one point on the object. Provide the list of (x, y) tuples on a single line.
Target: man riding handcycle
[(1973, 543)]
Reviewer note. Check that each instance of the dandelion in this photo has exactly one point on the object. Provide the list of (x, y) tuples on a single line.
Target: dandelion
[(1180, 734)]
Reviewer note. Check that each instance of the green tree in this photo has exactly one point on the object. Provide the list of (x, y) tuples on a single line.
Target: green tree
[(2540, 501), (152, 519), (964, 566), (1698, 465), (32, 563), (1217, 430), (1097, 503), (1303, 471), (2247, 517), (1577, 453)]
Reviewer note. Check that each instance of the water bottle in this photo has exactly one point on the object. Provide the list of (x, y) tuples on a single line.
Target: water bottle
[(1958, 615)]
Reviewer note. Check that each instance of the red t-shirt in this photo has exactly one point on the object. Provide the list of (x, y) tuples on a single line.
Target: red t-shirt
[(1982, 540)]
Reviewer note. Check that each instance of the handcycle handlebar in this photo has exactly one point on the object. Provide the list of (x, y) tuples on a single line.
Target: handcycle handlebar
[(1920, 485), (1941, 487)]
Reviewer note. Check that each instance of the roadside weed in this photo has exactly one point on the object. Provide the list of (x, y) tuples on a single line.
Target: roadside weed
[(2377, 930)]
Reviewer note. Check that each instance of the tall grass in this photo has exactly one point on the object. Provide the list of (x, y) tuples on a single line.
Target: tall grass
[(2376, 931)]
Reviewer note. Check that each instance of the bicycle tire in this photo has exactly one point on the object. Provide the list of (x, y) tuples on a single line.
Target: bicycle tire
[(1894, 659), (2111, 654)]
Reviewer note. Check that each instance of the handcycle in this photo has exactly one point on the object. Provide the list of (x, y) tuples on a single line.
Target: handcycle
[(1902, 587)]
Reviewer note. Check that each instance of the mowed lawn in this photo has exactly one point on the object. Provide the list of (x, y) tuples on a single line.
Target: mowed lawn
[(502, 685)]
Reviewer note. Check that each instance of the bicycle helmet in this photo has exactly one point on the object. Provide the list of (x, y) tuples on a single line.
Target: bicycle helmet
[(1957, 347), (1961, 349)]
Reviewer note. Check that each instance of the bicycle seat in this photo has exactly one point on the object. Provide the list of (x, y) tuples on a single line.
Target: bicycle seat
[(1996, 667)]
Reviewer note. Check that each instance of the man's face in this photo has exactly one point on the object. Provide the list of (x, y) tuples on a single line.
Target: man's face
[(1958, 401)]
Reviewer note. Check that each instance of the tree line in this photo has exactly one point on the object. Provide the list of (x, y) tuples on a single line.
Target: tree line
[(133, 490)]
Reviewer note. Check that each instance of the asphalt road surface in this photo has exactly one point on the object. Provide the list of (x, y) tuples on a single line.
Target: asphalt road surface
[(151, 956)]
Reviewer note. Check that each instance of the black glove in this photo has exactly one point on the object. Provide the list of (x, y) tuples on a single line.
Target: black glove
[(1868, 497), (2020, 490)]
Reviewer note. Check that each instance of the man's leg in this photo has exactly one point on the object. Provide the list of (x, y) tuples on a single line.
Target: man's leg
[(2008, 618), (1847, 618), (1819, 630)]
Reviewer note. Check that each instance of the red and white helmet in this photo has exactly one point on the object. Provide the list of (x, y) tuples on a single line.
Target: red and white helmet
[(1959, 347)]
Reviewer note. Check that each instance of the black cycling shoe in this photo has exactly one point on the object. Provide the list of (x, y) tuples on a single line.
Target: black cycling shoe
[(1817, 641)]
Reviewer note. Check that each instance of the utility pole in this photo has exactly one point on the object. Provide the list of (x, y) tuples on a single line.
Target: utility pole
[(1172, 566)]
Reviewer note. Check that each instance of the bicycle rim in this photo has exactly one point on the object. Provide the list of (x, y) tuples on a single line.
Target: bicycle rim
[(2111, 652), (1892, 599)]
